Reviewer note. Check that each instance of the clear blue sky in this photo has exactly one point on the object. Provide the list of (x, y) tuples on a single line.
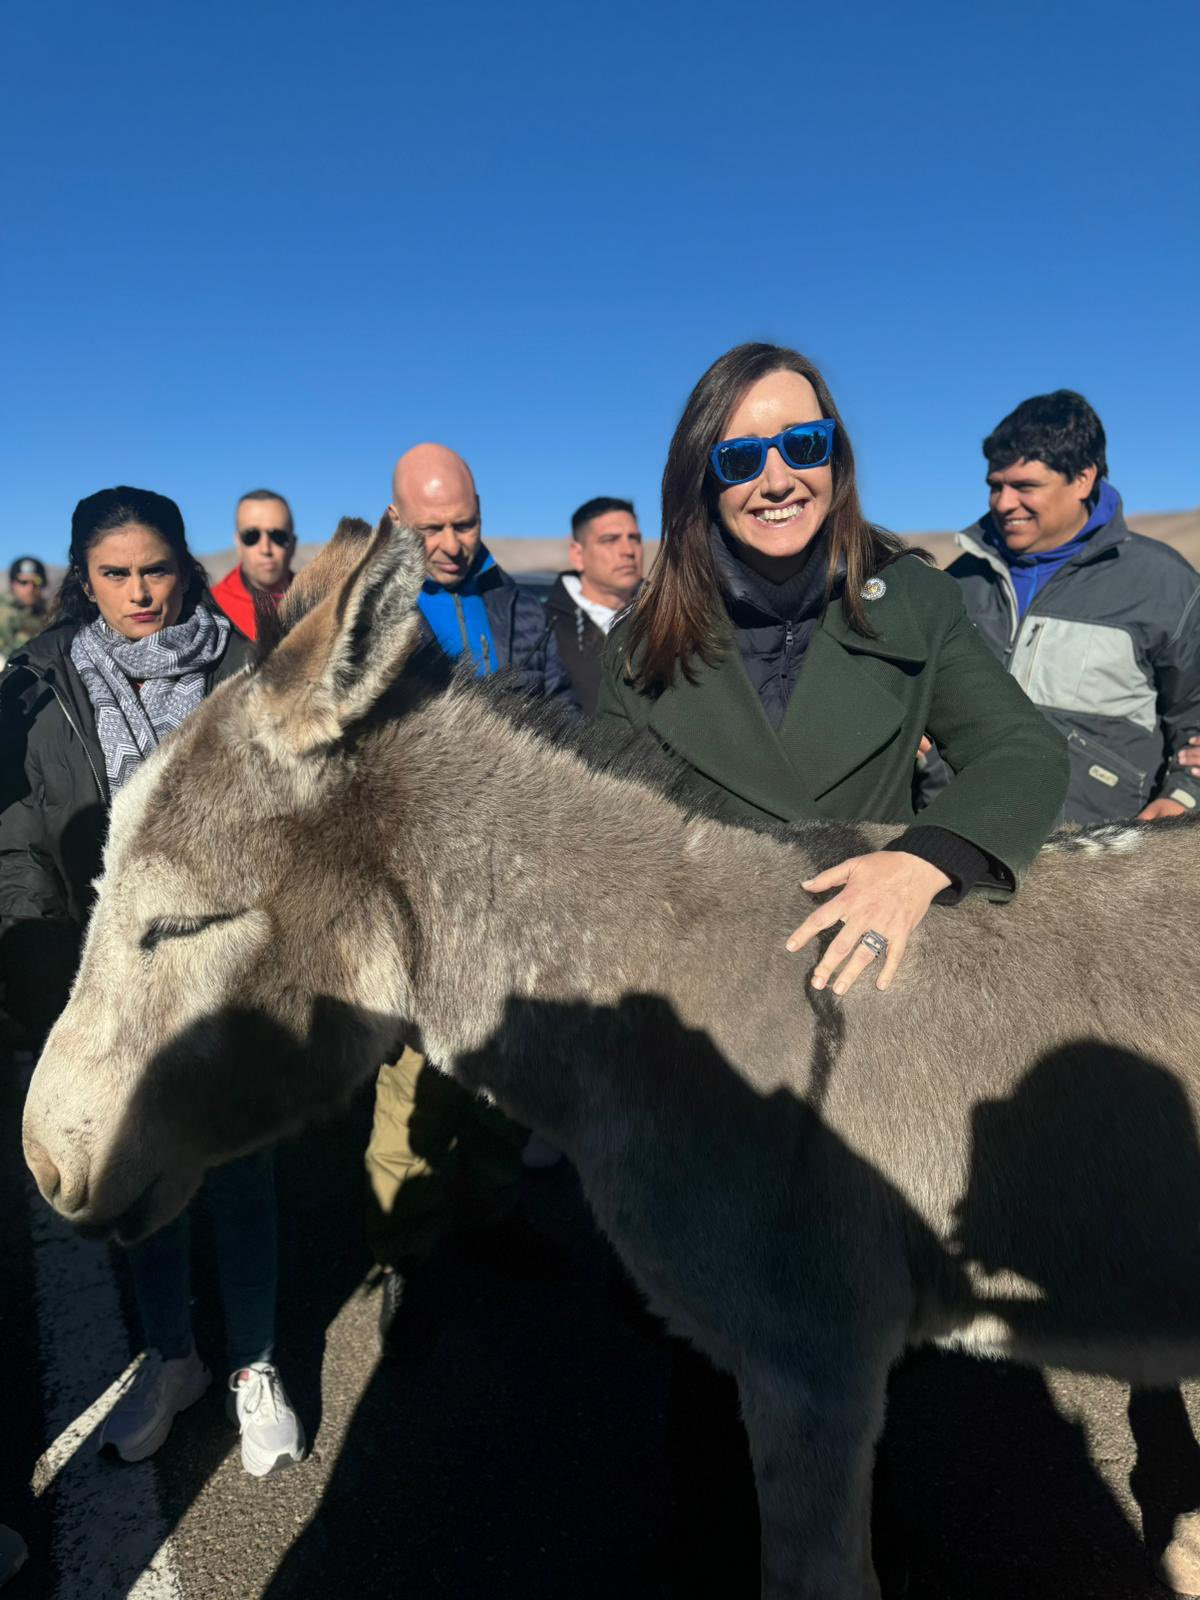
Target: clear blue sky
[(279, 243)]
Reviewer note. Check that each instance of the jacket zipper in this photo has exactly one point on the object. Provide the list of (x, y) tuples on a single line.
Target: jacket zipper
[(466, 638), (1019, 632), (62, 706), (1016, 621), (1023, 671), (462, 623)]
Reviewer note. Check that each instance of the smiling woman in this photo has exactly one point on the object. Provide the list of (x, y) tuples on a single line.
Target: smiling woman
[(793, 657)]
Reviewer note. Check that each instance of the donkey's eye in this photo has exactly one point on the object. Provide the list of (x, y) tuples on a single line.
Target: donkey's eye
[(163, 928)]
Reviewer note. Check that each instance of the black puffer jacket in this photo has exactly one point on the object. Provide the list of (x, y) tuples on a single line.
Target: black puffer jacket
[(524, 637), (54, 802), (521, 632)]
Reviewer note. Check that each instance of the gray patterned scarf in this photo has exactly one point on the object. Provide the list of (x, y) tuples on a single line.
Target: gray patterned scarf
[(169, 665)]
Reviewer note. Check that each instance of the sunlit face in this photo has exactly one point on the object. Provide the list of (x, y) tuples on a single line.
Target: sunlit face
[(445, 512), (266, 562), (1035, 508), (134, 578), (782, 511), (608, 558)]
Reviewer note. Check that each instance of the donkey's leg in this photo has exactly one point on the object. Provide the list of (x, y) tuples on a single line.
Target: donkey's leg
[(813, 1445)]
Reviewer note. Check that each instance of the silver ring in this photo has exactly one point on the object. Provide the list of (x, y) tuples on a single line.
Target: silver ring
[(875, 943)]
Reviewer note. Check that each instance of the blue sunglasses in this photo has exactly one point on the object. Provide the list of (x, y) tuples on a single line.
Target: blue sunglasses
[(807, 445)]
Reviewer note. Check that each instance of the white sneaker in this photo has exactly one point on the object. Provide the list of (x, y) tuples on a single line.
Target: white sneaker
[(149, 1403), (272, 1434)]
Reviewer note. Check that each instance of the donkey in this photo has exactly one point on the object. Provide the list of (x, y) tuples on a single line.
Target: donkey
[(999, 1154)]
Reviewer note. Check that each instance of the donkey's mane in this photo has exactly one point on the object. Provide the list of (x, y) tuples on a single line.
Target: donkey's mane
[(635, 755)]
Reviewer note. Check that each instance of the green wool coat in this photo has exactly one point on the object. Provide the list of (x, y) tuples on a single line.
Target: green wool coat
[(848, 741)]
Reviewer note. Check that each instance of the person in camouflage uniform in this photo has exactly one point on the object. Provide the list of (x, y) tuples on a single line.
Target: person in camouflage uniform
[(23, 610)]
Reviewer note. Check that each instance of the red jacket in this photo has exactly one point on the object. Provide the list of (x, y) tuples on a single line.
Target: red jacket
[(237, 601)]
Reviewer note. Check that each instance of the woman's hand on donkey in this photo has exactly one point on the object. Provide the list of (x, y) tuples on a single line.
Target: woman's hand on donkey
[(886, 893)]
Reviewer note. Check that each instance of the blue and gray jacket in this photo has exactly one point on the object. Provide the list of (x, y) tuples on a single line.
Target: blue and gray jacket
[(494, 621), (1108, 647)]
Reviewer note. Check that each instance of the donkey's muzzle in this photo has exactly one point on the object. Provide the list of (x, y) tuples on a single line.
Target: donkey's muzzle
[(45, 1173), (67, 1193)]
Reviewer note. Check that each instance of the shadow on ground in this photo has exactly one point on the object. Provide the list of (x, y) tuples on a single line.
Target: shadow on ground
[(523, 1458), (526, 1459)]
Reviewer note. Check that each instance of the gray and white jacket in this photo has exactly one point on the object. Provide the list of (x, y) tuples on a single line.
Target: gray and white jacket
[(1109, 650)]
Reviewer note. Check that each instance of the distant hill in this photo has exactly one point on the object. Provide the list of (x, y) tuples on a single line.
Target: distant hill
[(1178, 528)]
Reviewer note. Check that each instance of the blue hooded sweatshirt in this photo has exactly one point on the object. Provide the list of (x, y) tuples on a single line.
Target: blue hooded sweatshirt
[(459, 618), (1032, 572)]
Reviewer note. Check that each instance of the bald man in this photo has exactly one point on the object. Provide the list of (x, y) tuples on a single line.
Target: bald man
[(471, 606), (438, 1157)]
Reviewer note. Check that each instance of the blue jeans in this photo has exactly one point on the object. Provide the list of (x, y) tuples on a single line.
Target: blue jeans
[(241, 1202)]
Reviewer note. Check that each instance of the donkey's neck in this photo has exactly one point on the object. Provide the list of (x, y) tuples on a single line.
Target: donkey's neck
[(529, 874), (540, 886)]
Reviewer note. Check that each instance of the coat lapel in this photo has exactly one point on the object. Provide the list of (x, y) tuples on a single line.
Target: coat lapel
[(719, 726), (839, 716)]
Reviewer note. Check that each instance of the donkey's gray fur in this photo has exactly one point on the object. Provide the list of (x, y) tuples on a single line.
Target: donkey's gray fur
[(998, 1154)]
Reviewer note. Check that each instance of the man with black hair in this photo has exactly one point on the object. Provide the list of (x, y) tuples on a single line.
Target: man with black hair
[(1100, 626), (606, 558)]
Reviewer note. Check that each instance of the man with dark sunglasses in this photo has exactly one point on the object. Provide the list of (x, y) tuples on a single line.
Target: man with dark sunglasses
[(266, 539)]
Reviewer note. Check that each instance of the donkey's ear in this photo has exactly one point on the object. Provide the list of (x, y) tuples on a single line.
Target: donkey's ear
[(332, 667)]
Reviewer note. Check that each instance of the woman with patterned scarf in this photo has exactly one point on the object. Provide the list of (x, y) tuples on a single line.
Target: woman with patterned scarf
[(135, 644)]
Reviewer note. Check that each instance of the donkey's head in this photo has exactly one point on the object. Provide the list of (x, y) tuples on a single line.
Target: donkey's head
[(246, 959)]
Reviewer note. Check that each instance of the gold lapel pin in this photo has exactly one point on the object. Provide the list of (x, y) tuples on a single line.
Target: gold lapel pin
[(874, 589)]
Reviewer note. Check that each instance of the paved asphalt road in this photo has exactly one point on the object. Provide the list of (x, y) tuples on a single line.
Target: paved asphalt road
[(526, 1459)]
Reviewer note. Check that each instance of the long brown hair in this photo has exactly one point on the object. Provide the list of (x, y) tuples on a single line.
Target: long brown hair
[(677, 616)]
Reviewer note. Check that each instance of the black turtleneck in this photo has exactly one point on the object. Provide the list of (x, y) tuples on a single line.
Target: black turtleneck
[(772, 622), (772, 626)]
